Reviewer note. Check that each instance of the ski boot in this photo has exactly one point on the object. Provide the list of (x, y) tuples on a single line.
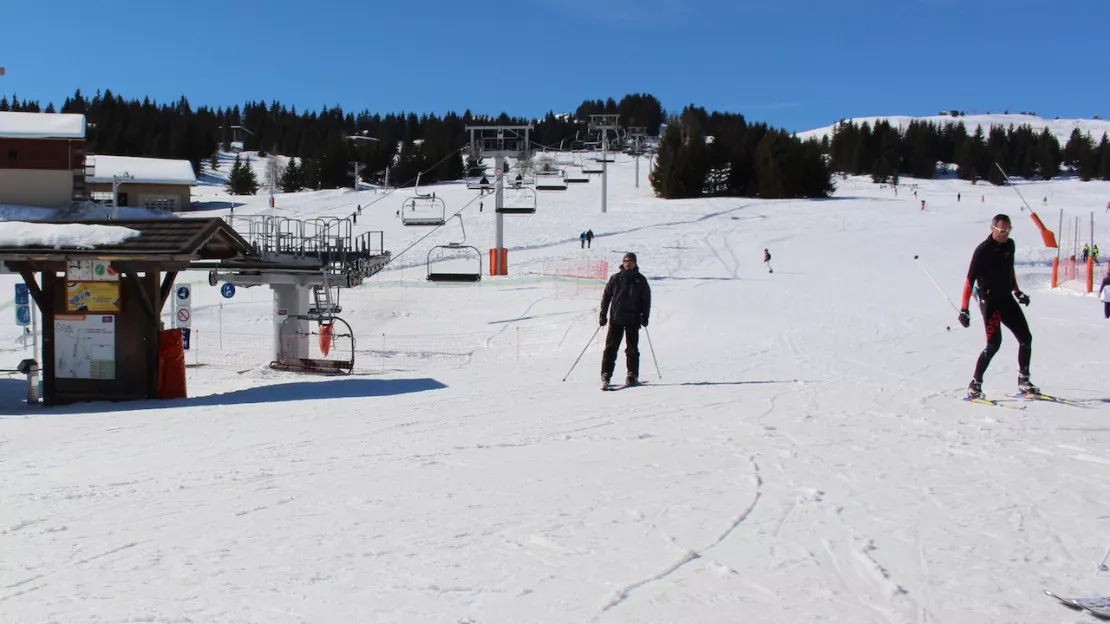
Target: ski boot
[(975, 390), (1026, 387), (605, 381), (631, 380)]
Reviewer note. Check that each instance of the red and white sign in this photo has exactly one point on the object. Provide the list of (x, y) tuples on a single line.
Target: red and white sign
[(498, 172), (183, 317)]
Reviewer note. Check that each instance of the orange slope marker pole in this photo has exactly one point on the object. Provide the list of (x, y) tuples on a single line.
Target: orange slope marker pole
[(1046, 234)]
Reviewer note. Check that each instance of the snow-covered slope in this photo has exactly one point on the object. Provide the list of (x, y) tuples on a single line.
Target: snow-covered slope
[(1062, 128), (799, 455)]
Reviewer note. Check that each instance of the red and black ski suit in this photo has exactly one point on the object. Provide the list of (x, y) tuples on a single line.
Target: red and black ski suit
[(992, 270)]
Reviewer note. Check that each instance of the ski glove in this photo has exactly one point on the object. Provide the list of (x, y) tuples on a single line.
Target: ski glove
[(603, 320), (965, 318), (643, 322), (1022, 298)]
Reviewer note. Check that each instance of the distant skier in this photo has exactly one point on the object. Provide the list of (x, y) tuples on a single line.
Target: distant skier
[(1086, 252), (958, 197), (923, 204), (992, 271), (1104, 294), (767, 260), (589, 239), (1094, 253), (582, 239), (627, 298)]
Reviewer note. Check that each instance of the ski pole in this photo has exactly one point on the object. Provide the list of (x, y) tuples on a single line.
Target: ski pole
[(1011, 185), (583, 352), (650, 346), (942, 293)]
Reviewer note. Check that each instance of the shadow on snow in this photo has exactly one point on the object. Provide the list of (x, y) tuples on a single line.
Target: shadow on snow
[(13, 393)]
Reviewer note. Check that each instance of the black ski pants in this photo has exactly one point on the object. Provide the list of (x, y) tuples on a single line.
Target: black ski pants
[(1106, 309), (631, 335), (996, 313)]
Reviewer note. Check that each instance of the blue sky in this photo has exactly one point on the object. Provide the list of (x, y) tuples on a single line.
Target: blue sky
[(797, 64)]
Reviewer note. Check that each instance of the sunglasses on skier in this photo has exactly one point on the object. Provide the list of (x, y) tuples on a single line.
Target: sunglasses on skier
[(1001, 230)]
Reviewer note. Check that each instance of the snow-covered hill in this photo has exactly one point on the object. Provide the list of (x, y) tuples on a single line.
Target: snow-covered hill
[(1062, 128)]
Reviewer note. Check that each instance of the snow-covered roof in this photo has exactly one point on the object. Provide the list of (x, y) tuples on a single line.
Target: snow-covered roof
[(144, 170), (41, 126), (59, 235)]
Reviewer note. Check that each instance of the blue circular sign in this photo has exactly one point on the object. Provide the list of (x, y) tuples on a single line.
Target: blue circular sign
[(23, 315), (183, 292), (227, 290)]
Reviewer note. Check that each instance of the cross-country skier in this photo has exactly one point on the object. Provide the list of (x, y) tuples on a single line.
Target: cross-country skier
[(767, 260), (992, 271), (627, 300)]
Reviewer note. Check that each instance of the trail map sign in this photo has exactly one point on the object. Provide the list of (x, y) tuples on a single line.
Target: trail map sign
[(85, 346)]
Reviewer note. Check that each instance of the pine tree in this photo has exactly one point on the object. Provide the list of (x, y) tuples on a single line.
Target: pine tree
[(1104, 158), (291, 177), (242, 180), (771, 159), (234, 176), (972, 155), (1048, 155), (214, 162), (1074, 149), (667, 162)]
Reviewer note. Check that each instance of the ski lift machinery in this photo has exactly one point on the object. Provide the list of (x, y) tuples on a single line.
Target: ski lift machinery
[(423, 209), (456, 276)]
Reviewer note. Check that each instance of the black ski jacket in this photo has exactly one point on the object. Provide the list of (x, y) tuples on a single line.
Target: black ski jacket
[(992, 266), (627, 298)]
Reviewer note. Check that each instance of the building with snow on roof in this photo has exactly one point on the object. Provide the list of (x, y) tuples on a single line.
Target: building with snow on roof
[(152, 183), (42, 159)]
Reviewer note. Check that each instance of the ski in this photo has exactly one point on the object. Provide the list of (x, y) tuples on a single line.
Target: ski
[(622, 386), (994, 403), (1098, 607), (1029, 396)]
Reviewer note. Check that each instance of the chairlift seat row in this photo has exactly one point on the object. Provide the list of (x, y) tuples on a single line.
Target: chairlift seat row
[(468, 250), (423, 211)]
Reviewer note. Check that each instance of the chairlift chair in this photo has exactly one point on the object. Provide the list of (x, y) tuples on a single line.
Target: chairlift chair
[(591, 168), (478, 180), (551, 180), (576, 175), (455, 276), (423, 211), (523, 201)]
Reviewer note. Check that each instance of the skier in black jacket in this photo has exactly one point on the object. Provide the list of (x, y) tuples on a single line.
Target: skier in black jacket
[(992, 271), (627, 300)]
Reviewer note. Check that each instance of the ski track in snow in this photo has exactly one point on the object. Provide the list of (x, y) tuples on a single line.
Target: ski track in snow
[(692, 554)]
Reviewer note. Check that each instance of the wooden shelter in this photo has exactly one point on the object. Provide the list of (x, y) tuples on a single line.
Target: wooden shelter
[(101, 307)]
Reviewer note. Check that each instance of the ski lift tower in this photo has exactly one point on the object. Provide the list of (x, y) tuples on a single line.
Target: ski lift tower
[(238, 134), (499, 142), (636, 136), (604, 123), (356, 164)]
